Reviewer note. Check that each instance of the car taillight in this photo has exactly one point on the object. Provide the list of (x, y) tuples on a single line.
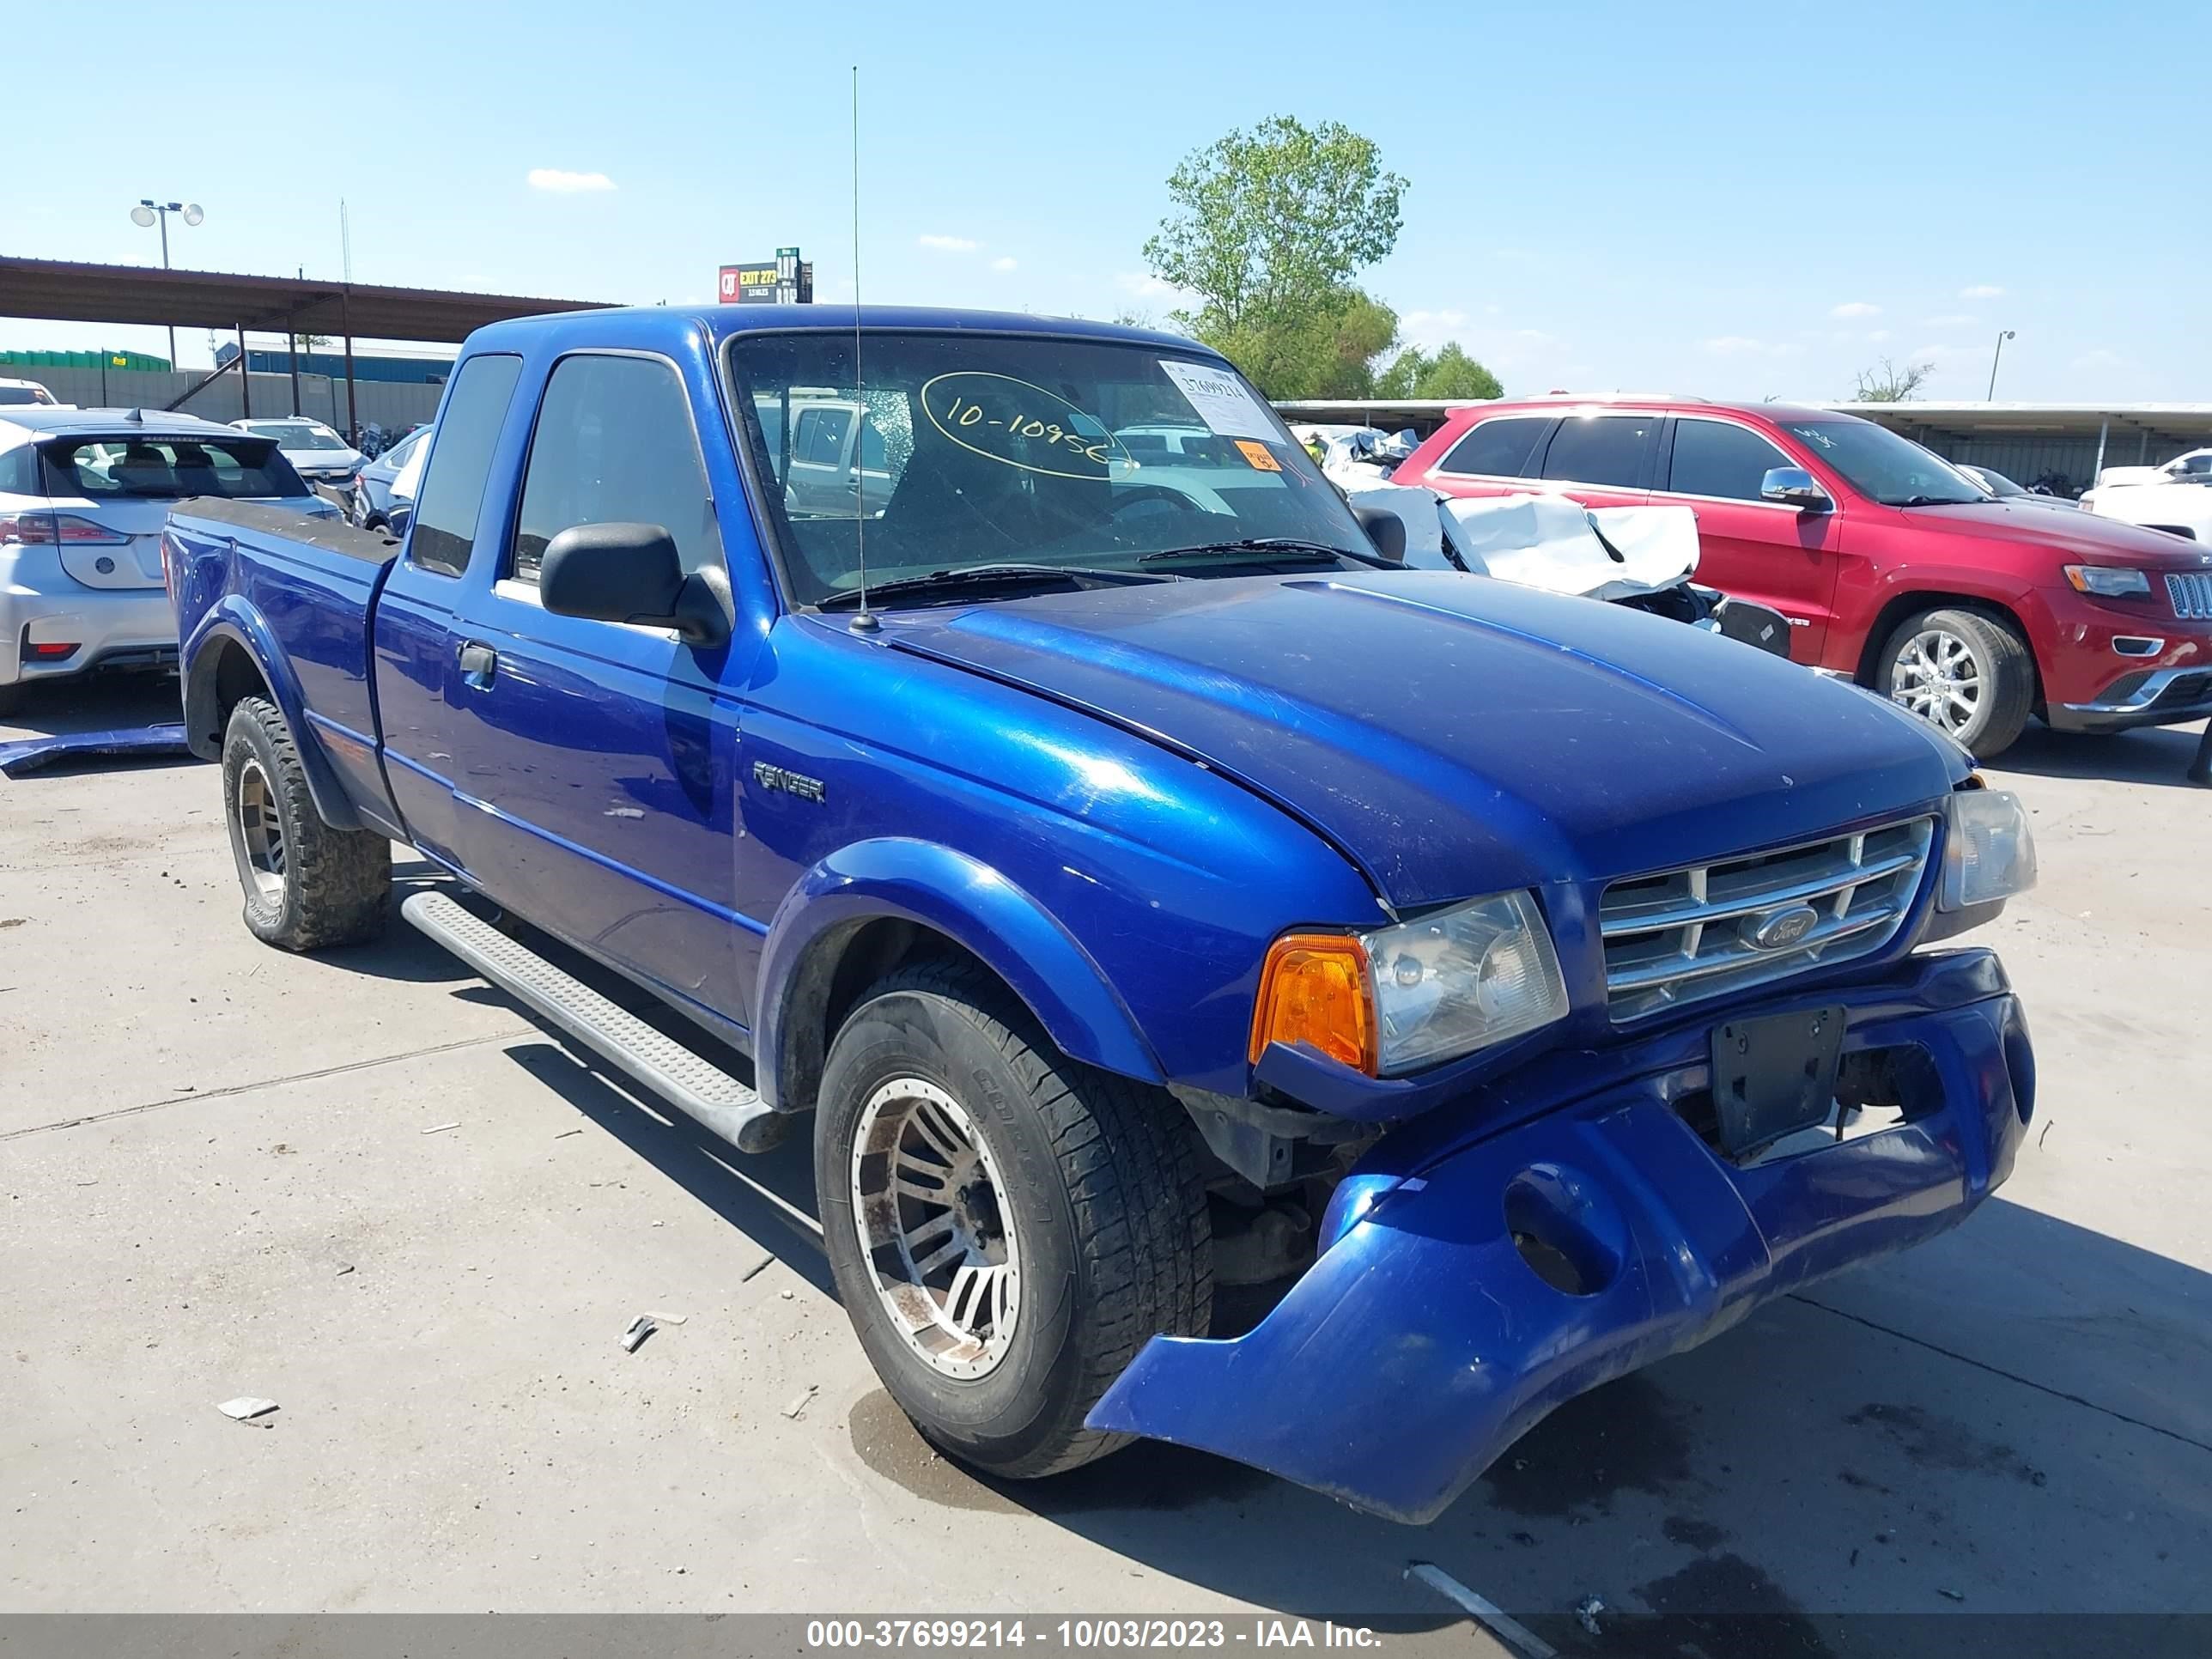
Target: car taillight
[(49, 650), (56, 530)]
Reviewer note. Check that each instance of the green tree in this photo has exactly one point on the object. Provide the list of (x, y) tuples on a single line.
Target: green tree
[(1327, 351), (1449, 373), (1268, 230)]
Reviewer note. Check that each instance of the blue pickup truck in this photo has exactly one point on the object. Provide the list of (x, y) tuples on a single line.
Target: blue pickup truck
[(998, 733)]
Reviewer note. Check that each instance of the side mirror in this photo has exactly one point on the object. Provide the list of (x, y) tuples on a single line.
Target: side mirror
[(1385, 529), (628, 573), (1793, 486)]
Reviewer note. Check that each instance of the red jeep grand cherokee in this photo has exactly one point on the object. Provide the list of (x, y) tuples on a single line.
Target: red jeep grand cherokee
[(1893, 568)]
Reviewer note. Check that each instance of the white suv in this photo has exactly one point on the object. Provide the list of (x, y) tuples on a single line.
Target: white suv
[(83, 495)]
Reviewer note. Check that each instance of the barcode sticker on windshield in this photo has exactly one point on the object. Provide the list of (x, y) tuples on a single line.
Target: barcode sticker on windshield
[(1220, 398)]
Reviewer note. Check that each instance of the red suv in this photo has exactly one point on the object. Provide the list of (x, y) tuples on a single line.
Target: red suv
[(1893, 568)]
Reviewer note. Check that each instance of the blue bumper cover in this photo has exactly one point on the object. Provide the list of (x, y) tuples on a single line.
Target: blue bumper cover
[(1421, 1344)]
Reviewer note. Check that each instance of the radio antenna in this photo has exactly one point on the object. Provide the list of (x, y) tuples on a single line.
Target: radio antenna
[(863, 618)]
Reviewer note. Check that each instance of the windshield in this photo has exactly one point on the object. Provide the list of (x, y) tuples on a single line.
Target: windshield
[(969, 450), (23, 394), (1877, 462), (152, 467), (297, 437)]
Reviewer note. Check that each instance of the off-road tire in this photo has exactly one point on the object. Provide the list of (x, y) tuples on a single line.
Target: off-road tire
[(2007, 668), (1102, 1179), (336, 882)]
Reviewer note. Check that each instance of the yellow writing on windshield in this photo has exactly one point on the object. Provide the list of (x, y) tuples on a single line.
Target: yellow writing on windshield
[(1019, 423)]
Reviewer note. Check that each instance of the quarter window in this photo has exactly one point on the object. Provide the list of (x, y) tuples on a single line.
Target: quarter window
[(614, 445), (1501, 447), (1613, 450), (452, 497), (1712, 458)]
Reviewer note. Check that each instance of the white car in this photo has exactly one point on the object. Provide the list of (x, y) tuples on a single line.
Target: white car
[(316, 453), (2175, 497), (84, 496), (27, 394)]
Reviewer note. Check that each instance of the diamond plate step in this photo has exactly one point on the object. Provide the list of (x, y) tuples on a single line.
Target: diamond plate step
[(684, 1077)]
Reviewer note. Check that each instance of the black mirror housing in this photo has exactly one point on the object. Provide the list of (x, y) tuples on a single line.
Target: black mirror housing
[(630, 573), (1385, 528)]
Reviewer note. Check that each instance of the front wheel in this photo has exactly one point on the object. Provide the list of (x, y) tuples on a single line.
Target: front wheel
[(1970, 674), (1006, 1228)]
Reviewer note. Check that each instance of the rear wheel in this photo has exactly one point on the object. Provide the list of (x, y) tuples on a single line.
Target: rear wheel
[(306, 886), (1007, 1228), (1970, 674)]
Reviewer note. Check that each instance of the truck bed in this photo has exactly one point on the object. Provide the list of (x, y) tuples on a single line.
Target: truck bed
[(311, 585)]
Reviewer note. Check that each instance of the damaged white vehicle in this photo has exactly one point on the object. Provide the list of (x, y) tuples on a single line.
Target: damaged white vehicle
[(2175, 497)]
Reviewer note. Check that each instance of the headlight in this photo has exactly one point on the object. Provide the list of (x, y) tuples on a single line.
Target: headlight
[(1989, 853), (2109, 580), (1399, 998)]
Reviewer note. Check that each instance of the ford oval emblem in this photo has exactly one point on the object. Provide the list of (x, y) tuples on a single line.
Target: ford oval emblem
[(1778, 930)]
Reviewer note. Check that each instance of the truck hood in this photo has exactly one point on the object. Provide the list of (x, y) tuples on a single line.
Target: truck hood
[(1456, 736), (2083, 537)]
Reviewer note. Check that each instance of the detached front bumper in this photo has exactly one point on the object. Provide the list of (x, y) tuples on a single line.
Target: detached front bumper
[(1423, 1342)]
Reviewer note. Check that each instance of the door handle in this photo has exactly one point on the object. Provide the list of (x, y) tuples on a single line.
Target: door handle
[(478, 662)]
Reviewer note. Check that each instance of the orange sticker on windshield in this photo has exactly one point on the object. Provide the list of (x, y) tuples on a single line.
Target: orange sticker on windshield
[(1258, 455)]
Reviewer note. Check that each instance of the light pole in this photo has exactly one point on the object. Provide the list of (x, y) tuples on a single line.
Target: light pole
[(1997, 357), (143, 215)]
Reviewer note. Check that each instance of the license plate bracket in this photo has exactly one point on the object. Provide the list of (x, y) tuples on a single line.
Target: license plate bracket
[(1774, 1074)]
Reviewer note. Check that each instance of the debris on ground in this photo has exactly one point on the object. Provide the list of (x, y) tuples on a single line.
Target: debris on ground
[(440, 1128), (565, 1134), (758, 1267), (793, 1410), (344, 1268), (1586, 1613), (1951, 1594), (659, 1318), (640, 1328), (1495, 1619), (247, 1408)]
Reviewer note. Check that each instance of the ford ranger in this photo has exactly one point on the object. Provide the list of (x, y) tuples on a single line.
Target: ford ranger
[(1143, 881)]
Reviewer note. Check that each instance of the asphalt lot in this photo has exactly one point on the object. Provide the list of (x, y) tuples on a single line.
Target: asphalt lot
[(217, 1182)]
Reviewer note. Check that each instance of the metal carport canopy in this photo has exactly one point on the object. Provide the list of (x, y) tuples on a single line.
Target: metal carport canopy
[(58, 290)]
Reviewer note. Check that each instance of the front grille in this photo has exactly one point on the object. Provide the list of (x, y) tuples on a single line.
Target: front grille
[(1685, 935), (2191, 593)]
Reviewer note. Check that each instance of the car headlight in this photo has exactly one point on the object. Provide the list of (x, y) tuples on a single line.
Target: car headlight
[(2110, 582), (1399, 998), (1989, 853)]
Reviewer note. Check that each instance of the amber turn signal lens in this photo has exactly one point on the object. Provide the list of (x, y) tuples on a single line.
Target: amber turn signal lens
[(1313, 989)]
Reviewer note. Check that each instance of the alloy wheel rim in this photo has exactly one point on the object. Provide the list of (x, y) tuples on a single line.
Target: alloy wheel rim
[(261, 830), (1937, 676), (939, 1242)]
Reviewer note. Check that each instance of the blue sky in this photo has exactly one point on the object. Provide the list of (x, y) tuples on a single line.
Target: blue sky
[(1721, 199)]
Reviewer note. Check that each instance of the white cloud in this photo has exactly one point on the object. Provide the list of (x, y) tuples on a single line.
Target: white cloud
[(1878, 336), (561, 182), (1430, 328), (948, 244), (1981, 291), (1143, 284), (1856, 308), (1742, 345), (1004, 261), (1950, 319)]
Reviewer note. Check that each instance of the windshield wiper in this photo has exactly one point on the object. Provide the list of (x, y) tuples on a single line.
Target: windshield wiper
[(985, 575), (1938, 501), (1276, 545)]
